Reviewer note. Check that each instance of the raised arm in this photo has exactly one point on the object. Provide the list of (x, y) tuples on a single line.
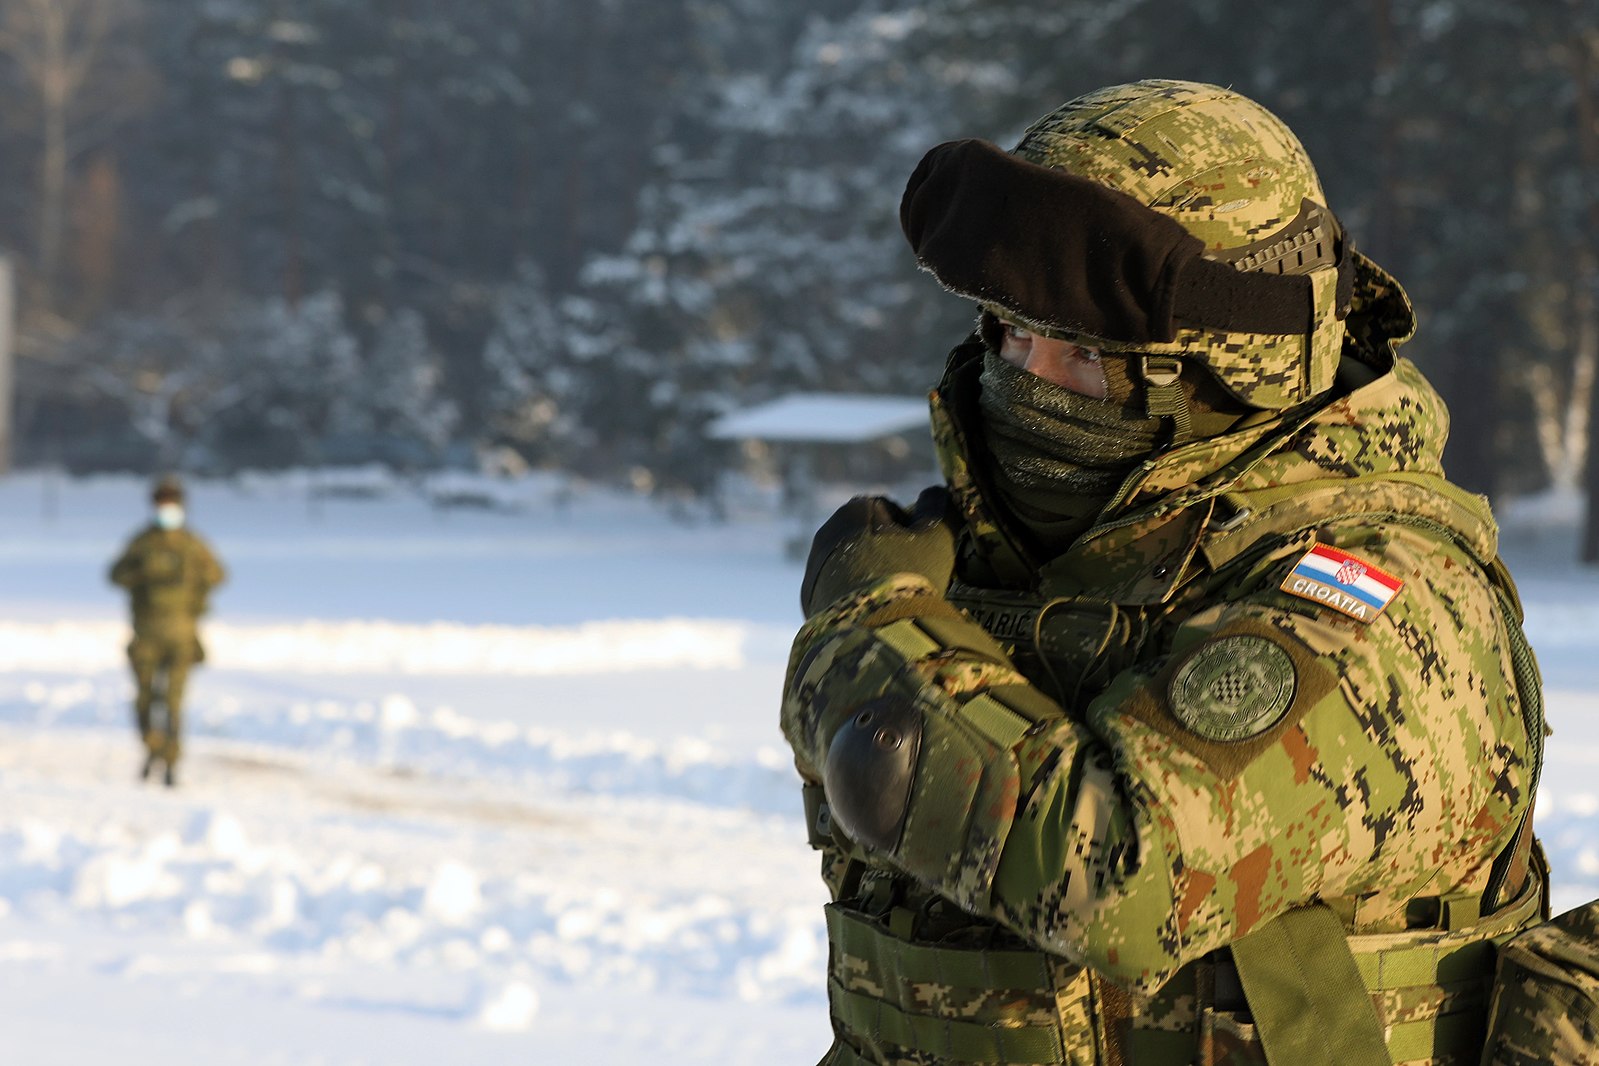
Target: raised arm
[(1274, 755)]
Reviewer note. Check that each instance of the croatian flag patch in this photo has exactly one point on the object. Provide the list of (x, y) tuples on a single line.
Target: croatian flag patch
[(1348, 584)]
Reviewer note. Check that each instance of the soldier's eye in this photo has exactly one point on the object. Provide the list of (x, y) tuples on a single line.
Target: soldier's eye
[(1017, 332)]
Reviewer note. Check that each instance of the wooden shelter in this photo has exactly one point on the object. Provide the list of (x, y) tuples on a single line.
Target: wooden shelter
[(825, 447)]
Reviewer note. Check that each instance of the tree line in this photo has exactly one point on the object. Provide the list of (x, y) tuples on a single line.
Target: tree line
[(273, 232)]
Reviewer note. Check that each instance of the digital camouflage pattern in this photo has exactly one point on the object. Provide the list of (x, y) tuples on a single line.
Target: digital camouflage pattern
[(1234, 176), (1226, 168), (1546, 1002), (169, 574), (1062, 801)]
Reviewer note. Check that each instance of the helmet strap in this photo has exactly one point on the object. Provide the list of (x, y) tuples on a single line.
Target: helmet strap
[(1164, 396)]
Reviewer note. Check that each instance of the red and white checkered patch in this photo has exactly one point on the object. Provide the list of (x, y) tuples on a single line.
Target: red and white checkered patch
[(1351, 572)]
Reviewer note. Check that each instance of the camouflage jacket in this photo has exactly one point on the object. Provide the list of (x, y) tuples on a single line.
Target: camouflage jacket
[(169, 575), (1135, 753)]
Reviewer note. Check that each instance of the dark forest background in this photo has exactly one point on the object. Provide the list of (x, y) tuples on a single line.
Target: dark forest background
[(263, 233)]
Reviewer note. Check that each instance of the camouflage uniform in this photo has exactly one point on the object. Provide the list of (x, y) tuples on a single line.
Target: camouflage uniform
[(1121, 761), (170, 574)]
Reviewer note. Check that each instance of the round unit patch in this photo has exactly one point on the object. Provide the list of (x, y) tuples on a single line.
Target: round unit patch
[(1233, 688)]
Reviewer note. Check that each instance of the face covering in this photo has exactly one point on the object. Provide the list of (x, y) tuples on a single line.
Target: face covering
[(1058, 456), (169, 515)]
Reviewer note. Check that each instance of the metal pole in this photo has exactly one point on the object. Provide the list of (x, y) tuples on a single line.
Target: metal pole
[(8, 307)]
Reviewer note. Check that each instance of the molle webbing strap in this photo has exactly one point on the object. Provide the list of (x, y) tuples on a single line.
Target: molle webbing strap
[(1000, 724), (1309, 1003), (917, 637), (893, 961), (946, 1038), (908, 639), (1310, 985), (895, 966), (1452, 968), (1461, 976), (1001, 719)]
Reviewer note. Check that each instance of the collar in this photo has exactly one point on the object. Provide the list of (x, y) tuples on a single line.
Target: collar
[(1206, 502)]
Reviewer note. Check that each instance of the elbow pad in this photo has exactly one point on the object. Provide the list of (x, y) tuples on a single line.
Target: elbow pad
[(869, 770)]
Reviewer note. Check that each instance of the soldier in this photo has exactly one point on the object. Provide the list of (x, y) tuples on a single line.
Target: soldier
[(169, 573), (1192, 720)]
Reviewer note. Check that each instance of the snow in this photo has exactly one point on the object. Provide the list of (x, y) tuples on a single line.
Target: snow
[(374, 646), (473, 787)]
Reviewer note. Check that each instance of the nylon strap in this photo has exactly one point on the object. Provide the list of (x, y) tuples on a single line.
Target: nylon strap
[(1159, 1045), (948, 1038), (1453, 964), (1452, 1037), (818, 818), (841, 1054), (998, 724), (896, 966), (893, 961), (1310, 1005), (1164, 397), (908, 639), (1529, 686)]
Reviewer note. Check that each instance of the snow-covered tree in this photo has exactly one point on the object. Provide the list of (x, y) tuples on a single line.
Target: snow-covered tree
[(532, 384), (400, 389)]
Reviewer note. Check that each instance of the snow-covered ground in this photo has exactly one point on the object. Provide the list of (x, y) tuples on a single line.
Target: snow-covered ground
[(464, 786)]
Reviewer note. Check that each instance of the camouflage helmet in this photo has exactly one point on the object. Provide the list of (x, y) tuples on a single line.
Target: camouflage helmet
[(1126, 162)]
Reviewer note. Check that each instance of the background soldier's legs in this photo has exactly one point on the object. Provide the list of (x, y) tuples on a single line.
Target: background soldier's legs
[(145, 662), (176, 677)]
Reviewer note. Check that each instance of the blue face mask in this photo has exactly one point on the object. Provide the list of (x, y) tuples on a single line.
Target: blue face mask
[(169, 515)]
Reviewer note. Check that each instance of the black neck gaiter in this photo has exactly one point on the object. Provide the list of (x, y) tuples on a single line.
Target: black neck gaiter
[(1059, 456)]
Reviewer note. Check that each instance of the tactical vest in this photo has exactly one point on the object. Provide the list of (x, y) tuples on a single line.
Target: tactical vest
[(914, 980)]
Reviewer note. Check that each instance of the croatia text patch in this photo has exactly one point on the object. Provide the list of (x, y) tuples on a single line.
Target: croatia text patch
[(1336, 579)]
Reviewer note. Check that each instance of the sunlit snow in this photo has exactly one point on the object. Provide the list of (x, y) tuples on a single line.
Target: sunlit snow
[(477, 787)]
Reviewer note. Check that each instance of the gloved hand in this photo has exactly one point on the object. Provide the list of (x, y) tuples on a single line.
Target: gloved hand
[(871, 537)]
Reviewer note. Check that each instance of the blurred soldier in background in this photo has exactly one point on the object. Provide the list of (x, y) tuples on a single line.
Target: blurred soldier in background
[(169, 573), (1192, 721)]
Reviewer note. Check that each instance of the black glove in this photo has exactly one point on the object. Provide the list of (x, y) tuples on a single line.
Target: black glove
[(871, 537)]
